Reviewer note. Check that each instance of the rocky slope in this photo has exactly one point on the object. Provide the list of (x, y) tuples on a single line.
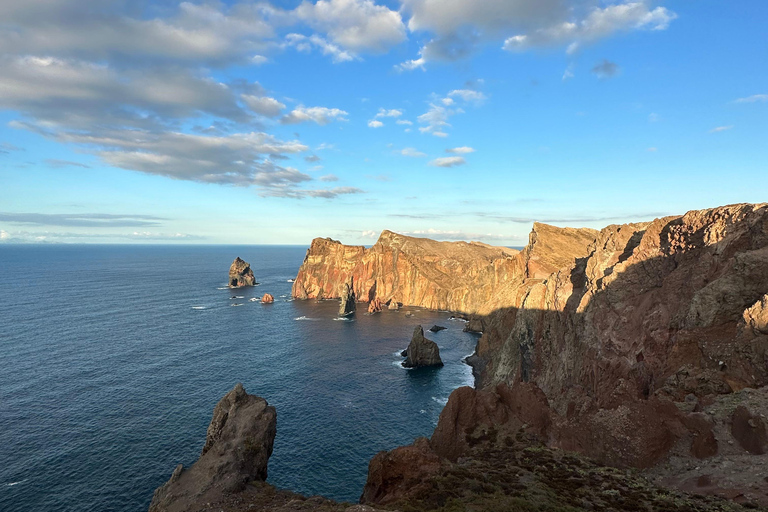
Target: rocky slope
[(626, 344), (521, 475)]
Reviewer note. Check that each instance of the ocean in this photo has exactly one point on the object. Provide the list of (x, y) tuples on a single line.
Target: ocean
[(113, 358)]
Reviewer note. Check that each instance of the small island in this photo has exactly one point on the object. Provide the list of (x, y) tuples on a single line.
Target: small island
[(240, 274)]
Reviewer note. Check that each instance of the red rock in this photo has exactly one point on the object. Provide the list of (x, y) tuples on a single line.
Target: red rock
[(267, 299)]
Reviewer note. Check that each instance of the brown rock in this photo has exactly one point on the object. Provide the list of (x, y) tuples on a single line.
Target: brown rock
[(240, 274), (756, 317), (267, 299), (237, 448), (396, 474), (375, 306), (421, 351), (749, 430)]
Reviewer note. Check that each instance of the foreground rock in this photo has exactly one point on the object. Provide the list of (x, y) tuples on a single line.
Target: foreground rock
[(348, 300), (268, 299), (421, 351), (237, 448), (240, 274)]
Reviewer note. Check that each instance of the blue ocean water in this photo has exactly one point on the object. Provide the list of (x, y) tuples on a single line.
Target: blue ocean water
[(112, 358)]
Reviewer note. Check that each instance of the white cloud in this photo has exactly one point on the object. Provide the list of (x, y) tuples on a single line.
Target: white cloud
[(404, 121), (319, 115), (329, 177), (4, 235), (597, 24), (653, 117), (720, 129), (357, 25), (448, 161), (753, 99), (605, 69), (389, 113), (263, 105), (463, 150), (440, 234), (468, 95), (305, 44), (369, 234), (412, 152), (652, 150), (373, 123)]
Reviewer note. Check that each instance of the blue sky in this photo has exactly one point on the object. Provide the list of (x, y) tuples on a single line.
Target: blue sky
[(251, 122)]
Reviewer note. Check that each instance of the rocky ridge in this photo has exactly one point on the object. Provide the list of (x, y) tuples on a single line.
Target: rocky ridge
[(629, 343)]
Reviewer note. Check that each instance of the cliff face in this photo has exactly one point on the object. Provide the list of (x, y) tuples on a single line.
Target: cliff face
[(618, 339), (455, 276)]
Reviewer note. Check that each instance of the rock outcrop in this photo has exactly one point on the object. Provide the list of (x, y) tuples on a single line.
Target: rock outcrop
[(421, 351), (375, 306), (237, 448), (267, 298), (240, 274), (348, 300), (625, 334)]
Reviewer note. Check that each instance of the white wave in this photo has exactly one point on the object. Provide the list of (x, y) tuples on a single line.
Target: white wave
[(289, 281), (199, 307), (253, 299), (343, 319), (236, 304), (223, 288), (441, 401), (16, 483), (423, 411), (456, 319), (306, 318), (237, 297)]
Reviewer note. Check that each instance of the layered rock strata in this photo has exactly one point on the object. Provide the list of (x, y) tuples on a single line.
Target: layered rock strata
[(619, 338), (240, 274), (421, 352)]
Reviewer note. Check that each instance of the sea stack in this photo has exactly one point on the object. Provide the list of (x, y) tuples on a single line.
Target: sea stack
[(348, 306), (268, 298), (240, 274), (237, 448), (421, 351)]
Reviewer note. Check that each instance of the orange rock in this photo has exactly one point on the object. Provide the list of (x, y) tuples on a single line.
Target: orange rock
[(267, 299)]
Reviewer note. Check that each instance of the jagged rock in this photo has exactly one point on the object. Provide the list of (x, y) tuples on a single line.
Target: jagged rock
[(421, 351), (749, 430), (348, 300), (240, 274), (393, 305), (237, 448), (756, 317), (375, 306), (437, 328), (267, 299)]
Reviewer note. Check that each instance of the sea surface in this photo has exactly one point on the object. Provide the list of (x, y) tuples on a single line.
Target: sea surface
[(113, 357)]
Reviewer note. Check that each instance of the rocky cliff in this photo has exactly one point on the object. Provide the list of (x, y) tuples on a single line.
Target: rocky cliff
[(630, 344)]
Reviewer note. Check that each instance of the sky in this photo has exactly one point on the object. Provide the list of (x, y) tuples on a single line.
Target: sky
[(245, 122)]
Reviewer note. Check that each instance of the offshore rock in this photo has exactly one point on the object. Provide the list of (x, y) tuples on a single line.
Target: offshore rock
[(237, 448), (375, 306), (240, 274), (268, 298), (348, 301), (421, 351), (436, 328)]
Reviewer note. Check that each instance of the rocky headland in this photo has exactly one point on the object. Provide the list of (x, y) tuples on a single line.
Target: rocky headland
[(634, 345), (240, 274)]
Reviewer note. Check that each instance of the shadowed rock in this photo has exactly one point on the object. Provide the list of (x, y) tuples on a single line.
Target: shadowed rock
[(348, 302), (237, 448), (240, 274), (749, 430), (436, 328), (421, 351)]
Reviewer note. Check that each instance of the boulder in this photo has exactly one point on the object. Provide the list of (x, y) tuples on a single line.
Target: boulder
[(240, 274), (237, 448), (437, 328), (749, 430), (348, 300), (267, 299), (421, 351), (393, 305)]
